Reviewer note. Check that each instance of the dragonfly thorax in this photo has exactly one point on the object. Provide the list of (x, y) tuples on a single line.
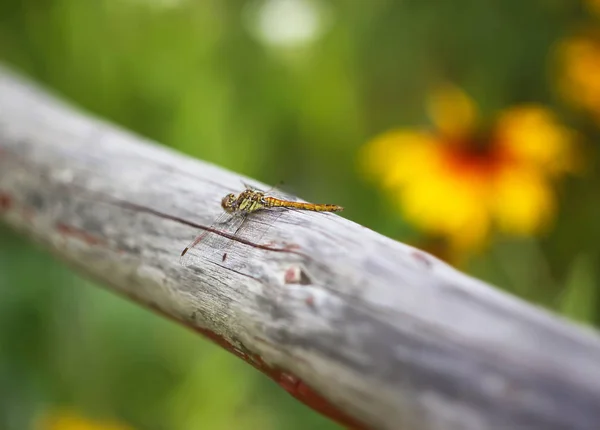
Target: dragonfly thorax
[(246, 202)]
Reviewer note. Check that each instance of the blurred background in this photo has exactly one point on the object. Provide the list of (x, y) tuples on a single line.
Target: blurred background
[(466, 128)]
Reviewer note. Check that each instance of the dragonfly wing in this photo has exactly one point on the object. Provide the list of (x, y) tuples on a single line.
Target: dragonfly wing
[(275, 191), (209, 245), (258, 224)]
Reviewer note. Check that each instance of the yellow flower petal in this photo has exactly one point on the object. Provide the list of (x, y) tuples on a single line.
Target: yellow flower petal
[(447, 205), (522, 201), (452, 111), (579, 79), (533, 135), (397, 156)]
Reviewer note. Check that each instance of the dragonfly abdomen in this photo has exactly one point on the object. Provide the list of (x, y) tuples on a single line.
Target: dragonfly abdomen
[(277, 203)]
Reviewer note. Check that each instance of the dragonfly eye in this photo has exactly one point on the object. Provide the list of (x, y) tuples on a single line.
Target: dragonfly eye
[(228, 202)]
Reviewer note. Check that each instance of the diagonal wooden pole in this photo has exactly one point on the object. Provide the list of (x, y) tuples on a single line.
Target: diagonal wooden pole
[(363, 329)]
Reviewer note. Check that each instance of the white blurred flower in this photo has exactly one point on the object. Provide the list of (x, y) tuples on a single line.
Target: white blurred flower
[(288, 23)]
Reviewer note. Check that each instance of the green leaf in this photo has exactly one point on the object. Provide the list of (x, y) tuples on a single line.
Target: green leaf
[(580, 294)]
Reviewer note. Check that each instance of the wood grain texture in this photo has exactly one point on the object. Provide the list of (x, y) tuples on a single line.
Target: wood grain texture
[(363, 328)]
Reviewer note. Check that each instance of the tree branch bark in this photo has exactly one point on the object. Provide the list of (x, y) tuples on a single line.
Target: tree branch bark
[(368, 331)]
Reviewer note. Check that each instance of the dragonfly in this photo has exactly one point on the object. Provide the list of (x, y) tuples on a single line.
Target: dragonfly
[(234, 222)]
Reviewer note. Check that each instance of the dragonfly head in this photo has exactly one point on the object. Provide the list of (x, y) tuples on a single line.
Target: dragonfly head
[(228, 203)]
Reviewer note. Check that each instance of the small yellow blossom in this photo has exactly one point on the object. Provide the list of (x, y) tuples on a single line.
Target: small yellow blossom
[(69, 420), (461, 183), (452, 111), (534, 135), (593, 6), (579, 71)]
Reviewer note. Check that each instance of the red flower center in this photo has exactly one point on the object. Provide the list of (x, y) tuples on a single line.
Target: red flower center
[(475, 157)]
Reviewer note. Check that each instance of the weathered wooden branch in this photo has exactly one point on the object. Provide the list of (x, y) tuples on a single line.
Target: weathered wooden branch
[(358, 326)]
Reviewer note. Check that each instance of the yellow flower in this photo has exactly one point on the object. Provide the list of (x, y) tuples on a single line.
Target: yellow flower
[(69, 420), (593, 6), (461, 183), (579, 71)]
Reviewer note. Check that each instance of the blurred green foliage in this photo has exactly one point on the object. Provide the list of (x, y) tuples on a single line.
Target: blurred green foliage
[(288, 96)]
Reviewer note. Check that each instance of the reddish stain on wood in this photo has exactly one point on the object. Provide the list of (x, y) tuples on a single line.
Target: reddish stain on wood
[(295, 275), (310, 301), (77, 233), (289, 382), (310, 397), (292, 275), (5, 201), (422, 258)]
